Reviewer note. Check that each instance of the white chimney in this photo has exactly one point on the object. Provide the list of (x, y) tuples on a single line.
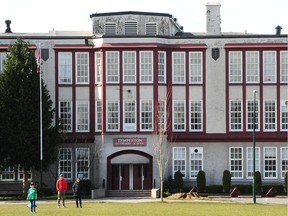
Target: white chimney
[(213, 18)]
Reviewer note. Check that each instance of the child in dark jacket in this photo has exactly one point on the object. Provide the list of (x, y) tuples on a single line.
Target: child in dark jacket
[(77, 192)]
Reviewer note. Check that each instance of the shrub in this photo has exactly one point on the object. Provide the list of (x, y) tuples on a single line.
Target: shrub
[(201, 181), (286, 181), (226, 180), (86, 186), (258, 182), (178, 181), (214, 189)]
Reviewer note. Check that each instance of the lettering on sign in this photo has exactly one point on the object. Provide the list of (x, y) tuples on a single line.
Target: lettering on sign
[(129, 141)]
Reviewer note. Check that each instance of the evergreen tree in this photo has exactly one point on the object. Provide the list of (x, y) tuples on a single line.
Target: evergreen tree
[(20, 112)]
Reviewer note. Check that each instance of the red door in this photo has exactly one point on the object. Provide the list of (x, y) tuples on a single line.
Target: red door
[(115, 177), (124, 176), (147, 183), (137, 176)]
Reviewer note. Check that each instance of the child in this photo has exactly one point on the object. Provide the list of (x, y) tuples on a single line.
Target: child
[(32, 196), (77, 192)]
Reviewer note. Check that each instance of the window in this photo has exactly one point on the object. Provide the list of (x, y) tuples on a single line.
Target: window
[(82, 119), (129, 67), (146, 109), (65, 162), (179, 160), (151, 29), (270, 163), (112, 116), (235, 67), (65, 67), (269, 66), (129, 115), (82, 163), (112, 67), (110, 28), (161, 67), (82, 68), (284, 161), (65, 115), (98, 115), (146, 66), (179, 116), (21, 173), (250, 161), (269, 115), (236, 115), (131, 28), (283, 66), (98, 67), (161, 116), (196, 118), (2, 59), (236, 162), (195, 67), (178, 67), (252, 66), (250, 113), (8, 174), (196, 161), (284, 115)]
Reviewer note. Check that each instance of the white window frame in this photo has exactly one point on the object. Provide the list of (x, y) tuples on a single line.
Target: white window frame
[(235, 122), (269, 67), (284, 66), (252, 67), (82, 67), (250, 113), (2, 59), (196, 161), (82, 116), (269, 115), (21, 173), (82, 171), (98, 67), (112, 66), (284, 161), (195, 67), (270, 163), (65, 162), (196, 115), (236, 164), (146, 66), (8, 174), (129, 66), (284, 115), (66, 123), (98, 115), (112, 115), (179, 160), (178, 68), (235, 67), (161, 67), (65, 67), (129, 115), (179, 117), (162, 116), (146, 115), (249, 161)]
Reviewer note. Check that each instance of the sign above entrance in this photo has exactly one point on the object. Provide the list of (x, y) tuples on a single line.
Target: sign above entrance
[(130, 141)]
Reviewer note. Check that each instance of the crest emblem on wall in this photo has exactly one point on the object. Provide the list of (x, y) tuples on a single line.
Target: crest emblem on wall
[(215, 53)]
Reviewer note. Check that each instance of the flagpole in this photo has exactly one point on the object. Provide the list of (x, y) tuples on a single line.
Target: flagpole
[(41, 130)]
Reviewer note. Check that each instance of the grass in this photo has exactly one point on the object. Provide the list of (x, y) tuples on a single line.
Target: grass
[(146, 209)]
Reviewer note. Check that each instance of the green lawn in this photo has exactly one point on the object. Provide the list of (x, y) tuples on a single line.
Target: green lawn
[(147, 209)]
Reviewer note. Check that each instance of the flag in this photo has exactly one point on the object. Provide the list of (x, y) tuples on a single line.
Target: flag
[(39, 60)]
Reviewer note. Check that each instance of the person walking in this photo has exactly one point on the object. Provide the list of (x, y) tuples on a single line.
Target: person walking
[(77, 192), (32, 197), (61, 187)]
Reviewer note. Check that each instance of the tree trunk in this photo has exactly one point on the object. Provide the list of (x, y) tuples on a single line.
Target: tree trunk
[(24, 183)]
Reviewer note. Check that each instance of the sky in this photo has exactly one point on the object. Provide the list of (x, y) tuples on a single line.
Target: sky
[(42, 16)]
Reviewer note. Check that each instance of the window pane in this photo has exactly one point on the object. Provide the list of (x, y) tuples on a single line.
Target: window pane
[(269, 66), (178, 67), (146, 66), (82, 67), (252, 66), (235, 67), (65, 67), (195, 67)]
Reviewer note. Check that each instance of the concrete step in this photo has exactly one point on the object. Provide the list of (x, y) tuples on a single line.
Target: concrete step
[(128, 193)]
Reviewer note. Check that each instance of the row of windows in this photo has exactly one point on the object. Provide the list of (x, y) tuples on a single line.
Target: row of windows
[(146, 115), (238, 165), (10, 174)]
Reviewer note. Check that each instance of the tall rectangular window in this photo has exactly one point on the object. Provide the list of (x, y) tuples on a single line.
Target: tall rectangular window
[(112, 116), (284, 161), (252, 67), (179, 160), (21, 173), (236, 162), (161, 67), (146, 120), (195, 67), (98, 67), (82, 116), (65, 162), (129, 115), (236, 115), (65, 67), (196, 117), (146, 66), (98, 115), (65, 115), (235, 67), (250, 113), (269, 66), (179, 115), (129, 67), (270, 163), (178, 68), (162, 116), (196, 161), (269, 115), (250, 161), (112, 67), (82, 67), (284, 115), (283, 66), (2, 59), (82, 163)]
